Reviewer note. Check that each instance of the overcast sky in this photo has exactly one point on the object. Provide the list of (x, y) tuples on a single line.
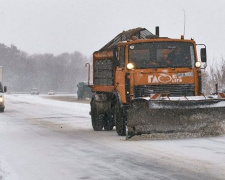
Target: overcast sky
[(57, 26)]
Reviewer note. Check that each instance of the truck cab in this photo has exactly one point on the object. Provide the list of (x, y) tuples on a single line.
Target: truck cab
[(163, 66), (34, 91), (83, 91)]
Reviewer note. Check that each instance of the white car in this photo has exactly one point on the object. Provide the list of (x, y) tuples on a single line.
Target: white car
[(2, 106), (51, 92), (2, 90)]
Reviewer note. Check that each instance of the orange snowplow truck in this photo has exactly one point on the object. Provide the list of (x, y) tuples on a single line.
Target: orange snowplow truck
[(136, 65)]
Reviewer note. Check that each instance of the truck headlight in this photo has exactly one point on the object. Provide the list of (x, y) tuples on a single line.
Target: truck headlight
[(1, 99), (198, 64), (130, 66)]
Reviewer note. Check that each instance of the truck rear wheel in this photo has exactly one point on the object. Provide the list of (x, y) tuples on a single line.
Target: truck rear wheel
[(97, 120), (108, 121), (119, 120)]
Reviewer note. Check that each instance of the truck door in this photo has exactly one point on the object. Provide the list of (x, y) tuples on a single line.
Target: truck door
[(120, 82)]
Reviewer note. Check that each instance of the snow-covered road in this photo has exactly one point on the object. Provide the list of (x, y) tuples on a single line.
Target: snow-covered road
[(43, 139)]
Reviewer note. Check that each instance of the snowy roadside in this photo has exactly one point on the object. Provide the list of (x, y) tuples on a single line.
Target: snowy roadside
[(67, 98), (44, 100), (6, 173), (203, 155), (198, 148)]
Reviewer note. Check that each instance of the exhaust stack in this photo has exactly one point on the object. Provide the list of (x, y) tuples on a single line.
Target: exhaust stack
[(157, 30)]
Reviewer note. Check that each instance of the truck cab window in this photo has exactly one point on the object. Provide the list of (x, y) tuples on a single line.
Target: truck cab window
[(162, 54)]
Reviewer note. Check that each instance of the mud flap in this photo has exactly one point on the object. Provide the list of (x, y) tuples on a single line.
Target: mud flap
[(150, 116)]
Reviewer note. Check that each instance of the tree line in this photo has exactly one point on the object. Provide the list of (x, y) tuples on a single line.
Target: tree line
[(60, 73), (214, 75)]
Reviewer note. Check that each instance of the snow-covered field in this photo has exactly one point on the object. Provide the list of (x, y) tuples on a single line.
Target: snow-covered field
[(44, 139)]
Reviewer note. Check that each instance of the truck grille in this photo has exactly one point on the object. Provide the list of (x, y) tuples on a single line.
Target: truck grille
[(174, 90)]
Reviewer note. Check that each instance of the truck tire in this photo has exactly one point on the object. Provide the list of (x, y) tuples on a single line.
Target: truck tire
[(119, 120), (108, 121), (96, 118)]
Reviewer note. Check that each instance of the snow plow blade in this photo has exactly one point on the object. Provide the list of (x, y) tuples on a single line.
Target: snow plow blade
[(146, 116)]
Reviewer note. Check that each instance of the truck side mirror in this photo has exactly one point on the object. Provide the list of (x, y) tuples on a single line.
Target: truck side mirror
[(5, 88), (203, 55)]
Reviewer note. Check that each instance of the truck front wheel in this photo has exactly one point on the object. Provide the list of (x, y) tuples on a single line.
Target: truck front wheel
[(119, 120)]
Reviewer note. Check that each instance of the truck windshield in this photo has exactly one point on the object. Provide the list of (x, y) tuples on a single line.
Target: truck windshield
[(162, 54)]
